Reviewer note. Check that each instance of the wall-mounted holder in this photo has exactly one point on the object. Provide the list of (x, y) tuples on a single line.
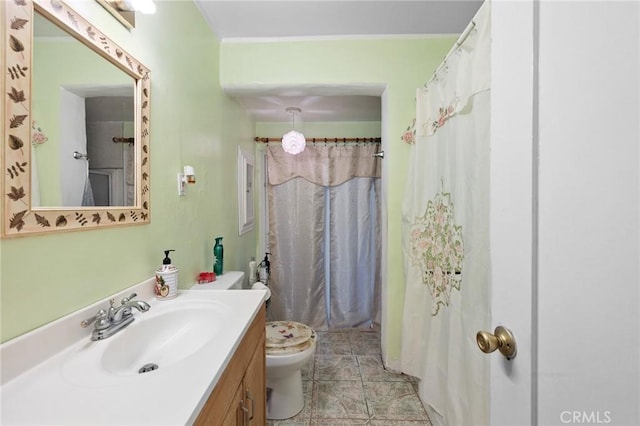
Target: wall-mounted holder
[(125, 10), (187, 177)]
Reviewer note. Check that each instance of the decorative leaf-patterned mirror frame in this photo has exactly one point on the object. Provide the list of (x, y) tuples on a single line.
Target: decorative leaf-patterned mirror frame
[(18, 216)]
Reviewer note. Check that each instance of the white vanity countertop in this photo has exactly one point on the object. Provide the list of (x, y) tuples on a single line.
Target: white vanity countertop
[(46, 392)]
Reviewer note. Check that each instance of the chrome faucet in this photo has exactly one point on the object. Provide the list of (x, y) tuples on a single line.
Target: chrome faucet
[(109, 322)]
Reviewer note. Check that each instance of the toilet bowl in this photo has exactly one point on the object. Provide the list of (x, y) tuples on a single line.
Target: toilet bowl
[(289, 347)]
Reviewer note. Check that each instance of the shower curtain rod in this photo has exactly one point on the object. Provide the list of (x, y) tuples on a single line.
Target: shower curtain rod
[(324, 140), (463, 37)]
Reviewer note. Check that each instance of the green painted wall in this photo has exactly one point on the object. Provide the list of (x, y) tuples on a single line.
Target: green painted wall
[(192, 122), (399, 64)]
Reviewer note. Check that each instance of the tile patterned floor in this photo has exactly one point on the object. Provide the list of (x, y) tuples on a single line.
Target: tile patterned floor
[(346, 384)]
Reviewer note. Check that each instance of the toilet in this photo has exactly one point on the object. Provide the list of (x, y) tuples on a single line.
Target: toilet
[(289, 347)]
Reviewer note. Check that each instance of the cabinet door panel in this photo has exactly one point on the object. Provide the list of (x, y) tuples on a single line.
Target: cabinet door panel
[(235, 414), (255, 387)]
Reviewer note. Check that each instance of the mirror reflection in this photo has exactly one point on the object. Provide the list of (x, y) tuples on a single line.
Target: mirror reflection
[(85, 107)]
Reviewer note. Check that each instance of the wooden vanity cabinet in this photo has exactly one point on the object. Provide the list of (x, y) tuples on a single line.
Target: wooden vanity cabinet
[(239, 398), (232, 418)]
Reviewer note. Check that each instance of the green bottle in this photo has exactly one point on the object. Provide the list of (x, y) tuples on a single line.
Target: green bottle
[(218, 254)]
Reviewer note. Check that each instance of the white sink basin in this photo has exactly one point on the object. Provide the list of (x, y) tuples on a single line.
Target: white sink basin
[(169, 333), (76, 381), (163, 339)]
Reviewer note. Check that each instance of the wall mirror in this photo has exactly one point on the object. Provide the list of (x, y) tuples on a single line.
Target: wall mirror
[(245, 191), (76, 130)]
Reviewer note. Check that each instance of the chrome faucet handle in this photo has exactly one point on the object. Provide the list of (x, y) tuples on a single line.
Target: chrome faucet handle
[(98, 317), (112, 309), (126, 299)]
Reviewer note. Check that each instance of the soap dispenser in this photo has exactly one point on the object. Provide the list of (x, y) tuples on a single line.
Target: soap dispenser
[(218, 256), (166, 279), (264, 269)]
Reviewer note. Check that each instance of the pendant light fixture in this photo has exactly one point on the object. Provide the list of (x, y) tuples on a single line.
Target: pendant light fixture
[(293, 142)]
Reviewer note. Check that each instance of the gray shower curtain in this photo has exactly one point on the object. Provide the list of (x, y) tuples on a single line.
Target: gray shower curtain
[(296, 231), (354, 235), (324, 235)]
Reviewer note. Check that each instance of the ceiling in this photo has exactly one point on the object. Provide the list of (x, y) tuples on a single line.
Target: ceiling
[(307, 18), (240, 19), (266, 108)]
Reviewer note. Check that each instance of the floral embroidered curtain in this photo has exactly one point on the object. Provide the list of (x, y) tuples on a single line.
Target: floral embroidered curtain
[(445, 234), (450, 90)]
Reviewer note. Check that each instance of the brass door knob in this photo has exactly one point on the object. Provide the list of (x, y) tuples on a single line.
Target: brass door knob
[(501, 339)]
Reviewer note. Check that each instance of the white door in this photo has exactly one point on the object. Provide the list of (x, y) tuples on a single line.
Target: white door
[(73, 137), (565, 211), (511, 217)]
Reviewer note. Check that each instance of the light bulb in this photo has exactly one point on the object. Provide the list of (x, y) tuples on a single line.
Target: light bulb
[(293, 142)]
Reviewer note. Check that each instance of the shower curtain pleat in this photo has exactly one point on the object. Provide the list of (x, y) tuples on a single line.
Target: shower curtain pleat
[(354, 240), (87, 194), (296, 228)]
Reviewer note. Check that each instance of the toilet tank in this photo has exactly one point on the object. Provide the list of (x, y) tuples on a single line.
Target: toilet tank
[(230, 280)]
